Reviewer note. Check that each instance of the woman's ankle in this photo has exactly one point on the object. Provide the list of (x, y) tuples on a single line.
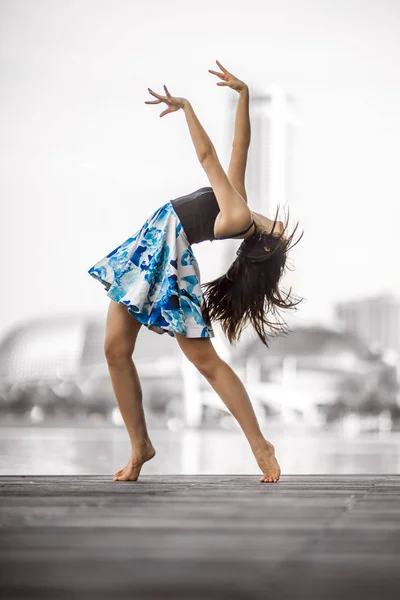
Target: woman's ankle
[(259, 444), (138, 442)]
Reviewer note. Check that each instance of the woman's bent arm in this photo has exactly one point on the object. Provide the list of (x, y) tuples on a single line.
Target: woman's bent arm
[(202, 143)]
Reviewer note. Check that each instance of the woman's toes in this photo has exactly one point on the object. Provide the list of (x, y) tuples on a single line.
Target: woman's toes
[(118, 474), (269, 479)]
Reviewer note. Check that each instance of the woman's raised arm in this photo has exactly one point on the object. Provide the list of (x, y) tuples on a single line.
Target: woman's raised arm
[(241, 140), (232, 205), (201, 141)]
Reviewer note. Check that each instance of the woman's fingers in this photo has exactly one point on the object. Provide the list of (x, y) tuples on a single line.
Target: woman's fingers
[(154, 94), (172, 102), (220, 75), (222, 68), (160, 98), (228, 79), (225, 75)]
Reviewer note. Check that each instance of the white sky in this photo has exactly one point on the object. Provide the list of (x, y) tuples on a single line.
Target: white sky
[(83, 161)]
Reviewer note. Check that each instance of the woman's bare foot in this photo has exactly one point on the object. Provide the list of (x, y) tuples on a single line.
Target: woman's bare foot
[(140, 454), (265, 457)]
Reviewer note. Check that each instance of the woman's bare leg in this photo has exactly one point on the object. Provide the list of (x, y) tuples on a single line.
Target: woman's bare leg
[(232, 392), (121, 333)]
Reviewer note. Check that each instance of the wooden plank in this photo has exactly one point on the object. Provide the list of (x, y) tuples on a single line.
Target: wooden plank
[(192, 537)]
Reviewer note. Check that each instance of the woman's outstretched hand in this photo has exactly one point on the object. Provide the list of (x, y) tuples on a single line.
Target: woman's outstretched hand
[(229, 79), (172, 102)]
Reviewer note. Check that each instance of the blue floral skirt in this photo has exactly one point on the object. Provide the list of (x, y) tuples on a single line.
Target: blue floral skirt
[(156, 275)]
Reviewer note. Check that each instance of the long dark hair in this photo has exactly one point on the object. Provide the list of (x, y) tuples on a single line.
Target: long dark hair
[(248, 292)]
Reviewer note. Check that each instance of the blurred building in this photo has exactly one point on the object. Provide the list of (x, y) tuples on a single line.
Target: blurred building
[(376, 320), (317, 369), (61, 347), (58, 364)]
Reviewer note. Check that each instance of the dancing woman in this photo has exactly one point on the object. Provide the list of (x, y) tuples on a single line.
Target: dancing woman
[(153, 279)]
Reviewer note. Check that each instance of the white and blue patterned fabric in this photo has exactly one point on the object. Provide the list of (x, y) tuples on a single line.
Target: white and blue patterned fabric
[(156, 275)]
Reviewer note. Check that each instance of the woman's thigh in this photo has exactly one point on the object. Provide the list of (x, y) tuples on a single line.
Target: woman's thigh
[(121, 331)]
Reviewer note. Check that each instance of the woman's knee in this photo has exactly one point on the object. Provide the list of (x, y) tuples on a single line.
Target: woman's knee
[(121, 333), (117, 350), (201, 353), (207, 366)]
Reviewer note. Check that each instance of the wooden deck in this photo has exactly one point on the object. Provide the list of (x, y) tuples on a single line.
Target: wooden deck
[(200, 537)]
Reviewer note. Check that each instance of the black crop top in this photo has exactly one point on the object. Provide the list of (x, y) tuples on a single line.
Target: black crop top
[(197, 212)]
